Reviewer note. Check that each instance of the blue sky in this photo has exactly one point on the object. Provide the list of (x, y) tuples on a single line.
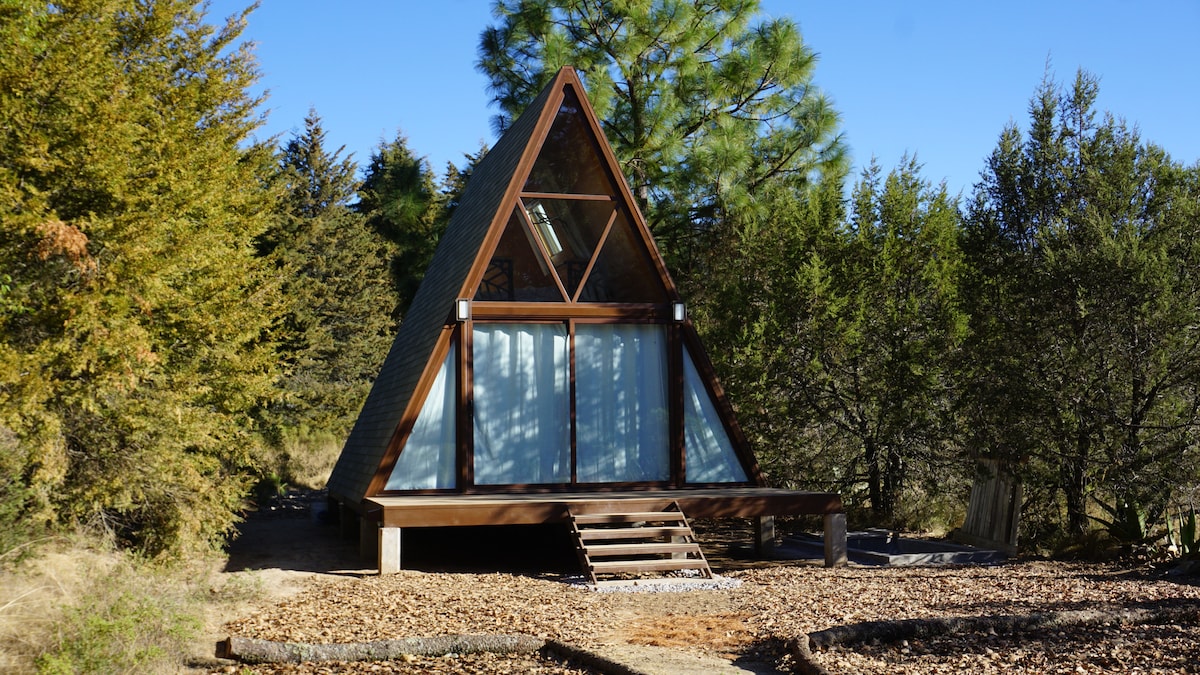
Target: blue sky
[(938, 79)]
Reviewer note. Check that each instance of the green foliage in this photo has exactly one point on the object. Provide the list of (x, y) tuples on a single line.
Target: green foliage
[(16, 528), (123, 624), (1082, 245), (1126, 522), (705, 103), (1186, 538), (837, 334), (336, 328), (400, 201), (134, 334)]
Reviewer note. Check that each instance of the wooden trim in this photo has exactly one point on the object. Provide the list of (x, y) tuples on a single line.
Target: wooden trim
[(571, 401), (400, 436), (587, 272), (538, 311), (675, 399), (741, 445), (555, 488), (465, 411), (568, 196)]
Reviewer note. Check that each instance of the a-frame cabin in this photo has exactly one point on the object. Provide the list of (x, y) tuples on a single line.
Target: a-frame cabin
[(547, 370)]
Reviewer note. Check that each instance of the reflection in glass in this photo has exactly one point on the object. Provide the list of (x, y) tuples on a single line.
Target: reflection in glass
[(517, 271), (570, 158), (710, 457), (522, 411), (621, 413), (624, 270), (427, 461)]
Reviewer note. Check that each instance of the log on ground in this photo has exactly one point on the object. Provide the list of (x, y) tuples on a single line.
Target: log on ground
[(253, 650)]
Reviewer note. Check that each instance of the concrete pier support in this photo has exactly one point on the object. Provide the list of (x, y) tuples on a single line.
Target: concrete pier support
[(764, 536), (389, 550), (835, 539)]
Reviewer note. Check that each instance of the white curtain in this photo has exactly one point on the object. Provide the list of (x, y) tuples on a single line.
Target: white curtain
[(522, 411), (427, 460), (710, 457), (621, 413)]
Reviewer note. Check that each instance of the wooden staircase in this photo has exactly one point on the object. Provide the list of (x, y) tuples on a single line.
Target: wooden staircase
[(635, 543)]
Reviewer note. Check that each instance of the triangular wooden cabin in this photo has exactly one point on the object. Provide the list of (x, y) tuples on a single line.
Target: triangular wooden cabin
[(547, 368)]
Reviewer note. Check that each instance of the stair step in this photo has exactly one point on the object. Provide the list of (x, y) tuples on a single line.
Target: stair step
[(636, 542), (617, 566), (638, 517), (633, 533), (609, 550)]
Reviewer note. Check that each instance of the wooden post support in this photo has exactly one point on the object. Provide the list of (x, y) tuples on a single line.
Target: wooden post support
[(389, 550), (835, 539), (764, 536)]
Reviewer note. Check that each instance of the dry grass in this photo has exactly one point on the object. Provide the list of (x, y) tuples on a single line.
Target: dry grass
[(76, 605), (34, 596)]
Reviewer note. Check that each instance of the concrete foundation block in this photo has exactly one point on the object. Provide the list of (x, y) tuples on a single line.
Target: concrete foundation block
[(835, 539), (764, 536), (389, 550)]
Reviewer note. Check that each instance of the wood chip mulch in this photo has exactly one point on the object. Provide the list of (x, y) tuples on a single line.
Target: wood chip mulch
[(772, 605)]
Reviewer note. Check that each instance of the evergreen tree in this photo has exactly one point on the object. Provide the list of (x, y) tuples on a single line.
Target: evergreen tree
[(336, 286), (134, 327), (400, 201), (1083, 241), (705, 107), (840, 334)]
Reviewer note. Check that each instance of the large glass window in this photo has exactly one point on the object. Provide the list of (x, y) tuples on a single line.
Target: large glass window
[(710, 456), (522, 407), (427, 461), (621, 412)]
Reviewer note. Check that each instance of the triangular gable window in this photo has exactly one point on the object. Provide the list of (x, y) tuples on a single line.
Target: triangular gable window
[(568, 240), (709, 454), (569, 162), (428, 460)]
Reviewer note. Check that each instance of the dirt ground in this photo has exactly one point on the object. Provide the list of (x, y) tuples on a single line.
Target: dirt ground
[(312, 587)]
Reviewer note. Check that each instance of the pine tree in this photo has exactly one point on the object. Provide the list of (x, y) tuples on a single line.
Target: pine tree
[(134, 332), (336, 287), (400, 201), (705, 106)]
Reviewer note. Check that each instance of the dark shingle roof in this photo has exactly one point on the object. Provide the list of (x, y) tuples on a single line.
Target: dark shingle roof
[(415, 342)]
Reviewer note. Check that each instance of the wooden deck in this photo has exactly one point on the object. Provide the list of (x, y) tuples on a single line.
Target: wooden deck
[(539, 508)]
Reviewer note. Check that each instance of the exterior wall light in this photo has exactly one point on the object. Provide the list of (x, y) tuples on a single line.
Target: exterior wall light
[(462, 309), (678, 312)]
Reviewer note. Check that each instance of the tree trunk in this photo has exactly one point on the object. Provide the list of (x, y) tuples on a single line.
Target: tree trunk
[(1075, 485)]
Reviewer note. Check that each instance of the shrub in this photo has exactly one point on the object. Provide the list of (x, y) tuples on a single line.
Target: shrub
[(78, 606)]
